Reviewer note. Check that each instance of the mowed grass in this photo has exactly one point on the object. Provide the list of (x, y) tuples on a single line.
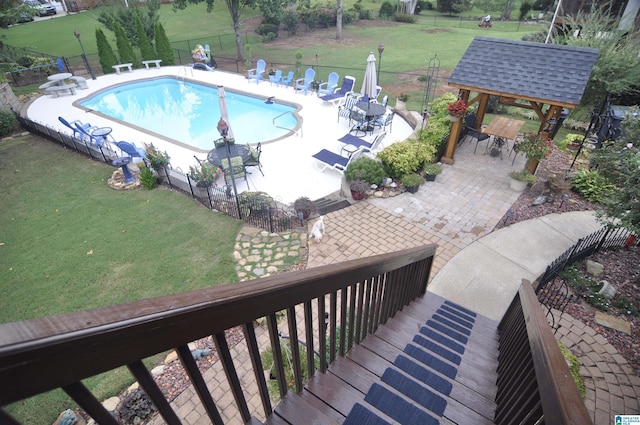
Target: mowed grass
[(70, 242)]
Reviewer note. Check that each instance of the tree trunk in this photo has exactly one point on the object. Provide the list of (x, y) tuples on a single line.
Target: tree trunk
[(234, 11), (339, 21)]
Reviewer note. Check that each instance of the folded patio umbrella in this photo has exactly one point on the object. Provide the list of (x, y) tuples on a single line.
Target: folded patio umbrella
[(370, 82), (224, 113)]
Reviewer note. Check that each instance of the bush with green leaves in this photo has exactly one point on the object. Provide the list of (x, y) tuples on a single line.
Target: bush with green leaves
[(105, 53), (125, 49), (439, 106), (367, 169), (135, 407), (265, 29), (411, 180), (8, 122), (387, 10), (585, 288), (163, 46), (147, 179), (291, 22), (403, 17), (144, 44), (405, 157), (592, 185)]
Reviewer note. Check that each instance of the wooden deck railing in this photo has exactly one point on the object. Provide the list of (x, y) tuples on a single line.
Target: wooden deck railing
[(59, 351), (534, 382)]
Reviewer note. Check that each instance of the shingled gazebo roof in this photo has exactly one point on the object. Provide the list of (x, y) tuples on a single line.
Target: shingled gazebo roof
[(547, 73)]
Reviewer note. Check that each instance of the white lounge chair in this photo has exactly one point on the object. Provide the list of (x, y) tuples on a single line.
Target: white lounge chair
[(327, 159)]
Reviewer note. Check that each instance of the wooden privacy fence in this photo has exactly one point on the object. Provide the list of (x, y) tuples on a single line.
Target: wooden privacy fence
[(60, 351), (254, 208)]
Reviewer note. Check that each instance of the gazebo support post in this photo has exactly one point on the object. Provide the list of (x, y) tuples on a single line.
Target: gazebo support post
[(454, 133)]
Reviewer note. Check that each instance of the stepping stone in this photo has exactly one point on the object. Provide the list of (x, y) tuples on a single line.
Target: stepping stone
[(613, 322)]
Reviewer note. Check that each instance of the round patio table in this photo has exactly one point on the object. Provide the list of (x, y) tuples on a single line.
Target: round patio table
[(216, 155), (371, 111), (59, 78)]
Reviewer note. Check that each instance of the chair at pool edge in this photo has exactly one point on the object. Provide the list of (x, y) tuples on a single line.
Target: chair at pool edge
[(87, 137), (254, 160), (371, 147), (132, 150), (327, 159), (276, 77), (350, 100), (303, 84), (330, 85), (286, 81), (76, 132), (257, 72), (236, 165)]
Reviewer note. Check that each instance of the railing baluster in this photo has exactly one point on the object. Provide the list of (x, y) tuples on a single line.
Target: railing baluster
[(322, 335), (147, 383), (352, 313), (366, 322), (295, 347), (276, 349), (191, 367), (256, 363), (359, 311), (308, 328), (232, 375), (81, 395), (343, 320), (333, 302), (377, 314)]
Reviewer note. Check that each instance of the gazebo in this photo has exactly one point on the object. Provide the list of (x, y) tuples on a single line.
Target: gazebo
[(542, 77)]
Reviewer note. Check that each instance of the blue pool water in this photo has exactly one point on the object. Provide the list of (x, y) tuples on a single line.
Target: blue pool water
[(187, 112)]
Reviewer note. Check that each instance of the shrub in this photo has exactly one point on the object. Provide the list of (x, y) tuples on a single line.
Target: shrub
[(156, 157), (422, 5), (265, 29), (8, 122), (254, 203), (405, 157), (105, 53), (269, 37), (365, 15), (386, 10), (147, 179), (523, 176), (592, 185), (366, 169), (402, 17), (359, 186), (304, 205), (163, 46), (135, 407), (432, 169), (291, 22), (411, 179)]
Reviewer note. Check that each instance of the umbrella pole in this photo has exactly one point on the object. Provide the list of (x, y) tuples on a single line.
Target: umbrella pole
[(233, 179)]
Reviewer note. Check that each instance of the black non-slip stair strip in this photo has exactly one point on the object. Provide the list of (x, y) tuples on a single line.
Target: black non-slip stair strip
[(424, 357), (420, 373), (462, 339), (462, 321), (452, 311), (360, 415), (437, 349), (415, 391), (453, 325), (460, 308), (397, 407), (443, 340)]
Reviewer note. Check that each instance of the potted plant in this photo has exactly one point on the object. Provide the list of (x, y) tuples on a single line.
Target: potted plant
[(304, 207), (431, 170), (358, 189), (157, 159), (457, 110), (520, 179), (412, 182), (401, 101), (205, 174), (535, 148)]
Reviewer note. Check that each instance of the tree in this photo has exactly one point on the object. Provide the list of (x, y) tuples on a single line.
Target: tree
[(146, 49), (619, 162), (105, 53), (163, 47), (453, 6), (125, 50), (117, 12), (235, 9), (617, 69)]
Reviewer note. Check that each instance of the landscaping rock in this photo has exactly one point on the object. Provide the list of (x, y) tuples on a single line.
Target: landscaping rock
[(594, 268)]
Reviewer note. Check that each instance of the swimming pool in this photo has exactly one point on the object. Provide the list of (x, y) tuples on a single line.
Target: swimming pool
[(187, 113)]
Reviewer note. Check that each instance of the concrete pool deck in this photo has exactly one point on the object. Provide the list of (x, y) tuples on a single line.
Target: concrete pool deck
[(288, 166)]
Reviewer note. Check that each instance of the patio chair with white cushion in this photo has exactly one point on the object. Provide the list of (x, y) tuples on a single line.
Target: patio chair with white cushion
[(327, 159)]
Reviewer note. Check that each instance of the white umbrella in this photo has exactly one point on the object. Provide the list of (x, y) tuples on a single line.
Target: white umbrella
[(224, 113), (370, 82)]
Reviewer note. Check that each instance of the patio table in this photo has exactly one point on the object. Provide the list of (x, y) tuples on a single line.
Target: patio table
[(215, 156), (502, 129), (59, 78)]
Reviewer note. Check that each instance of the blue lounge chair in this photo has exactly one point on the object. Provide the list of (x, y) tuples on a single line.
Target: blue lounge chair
[(86, 137), (348, 83), (76, 133), (132, 150), (286, 81), (373, 147), (327, 159), (257, 72), (303, 84), (329, 86)]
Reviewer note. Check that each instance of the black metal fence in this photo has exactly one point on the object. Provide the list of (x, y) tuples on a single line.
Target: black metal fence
[(257, 209), (557, 297)]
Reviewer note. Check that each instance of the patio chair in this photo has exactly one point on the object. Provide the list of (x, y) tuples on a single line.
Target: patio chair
[(76, 133), (372, 147), (385, 121), (257, 72), (350, 101), (236, 165), (329, 86), (276, 77), (358, 120), (286, 81), (86, 137), (348, 83), (327, 159), (303, 84), (254, 160), (471, 130)]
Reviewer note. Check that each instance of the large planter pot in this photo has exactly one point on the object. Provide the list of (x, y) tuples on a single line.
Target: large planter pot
[(518, 185), (401, 105), (358, 196), (430, 177), (532, 165), (412, 189)]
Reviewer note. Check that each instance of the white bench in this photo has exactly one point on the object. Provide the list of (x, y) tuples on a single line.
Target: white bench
[(123, 65), (57, 89), (156, 61), (80, 82)]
